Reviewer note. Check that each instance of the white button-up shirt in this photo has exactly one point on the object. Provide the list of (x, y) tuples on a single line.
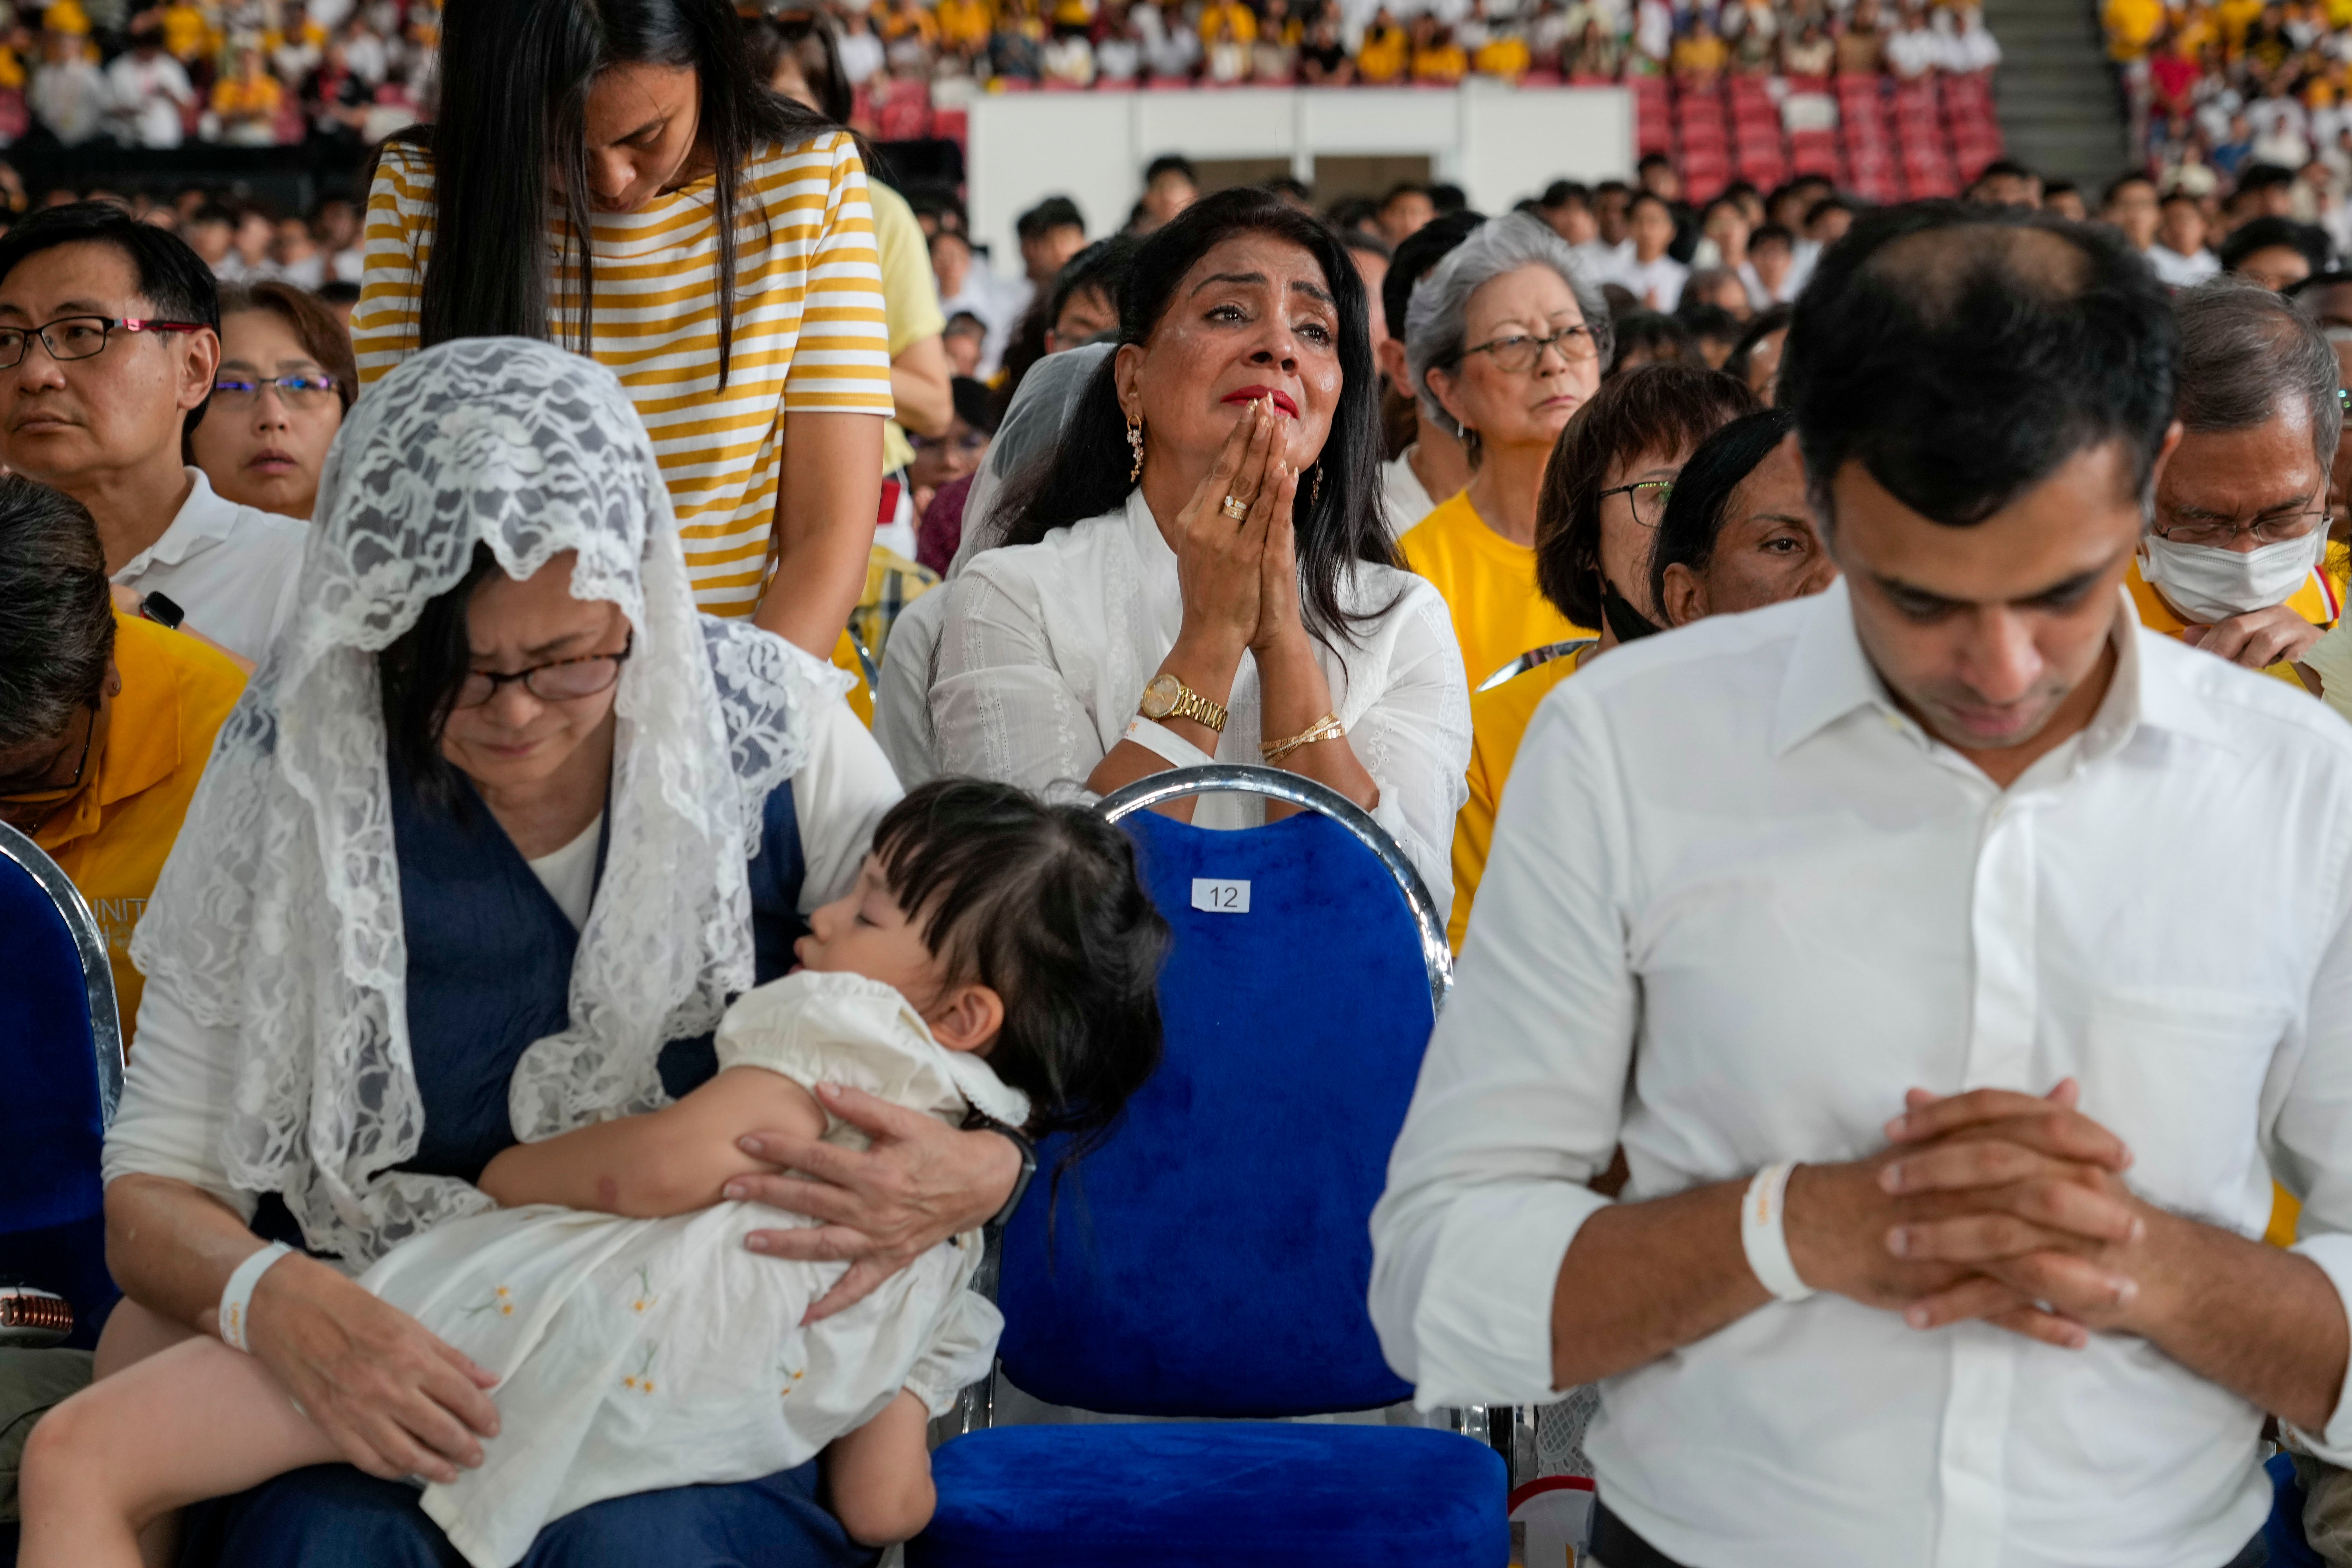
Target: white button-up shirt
[(232, 568), (1737, 904)]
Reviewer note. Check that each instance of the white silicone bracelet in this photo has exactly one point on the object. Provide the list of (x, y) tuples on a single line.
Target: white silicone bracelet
[(1763, 1213), (237, 1296)]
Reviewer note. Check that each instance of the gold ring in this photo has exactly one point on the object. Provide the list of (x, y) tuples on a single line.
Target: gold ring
[(1237, 508)]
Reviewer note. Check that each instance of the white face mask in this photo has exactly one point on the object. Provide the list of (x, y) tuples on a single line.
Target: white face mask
[(2208, 583)]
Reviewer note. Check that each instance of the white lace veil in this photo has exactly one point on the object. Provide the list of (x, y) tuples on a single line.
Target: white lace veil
[(279, 914)]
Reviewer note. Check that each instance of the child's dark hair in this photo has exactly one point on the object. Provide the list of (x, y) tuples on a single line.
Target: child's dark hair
[(1044, 905)]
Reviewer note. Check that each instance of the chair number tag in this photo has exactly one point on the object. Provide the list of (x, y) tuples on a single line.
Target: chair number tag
[(1221, 897)]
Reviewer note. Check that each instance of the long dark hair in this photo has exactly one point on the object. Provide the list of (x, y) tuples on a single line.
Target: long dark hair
[(420, 674), (515, 77), (1087, 475)]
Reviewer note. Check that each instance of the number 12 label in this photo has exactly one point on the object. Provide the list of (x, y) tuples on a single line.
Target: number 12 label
[(1221, 897)]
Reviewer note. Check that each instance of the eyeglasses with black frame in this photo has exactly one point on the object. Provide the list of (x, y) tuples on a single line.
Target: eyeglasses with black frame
[(294, 391), (17, 801), (1519, 353), (71, 338), (1647, 497), (557, 681)]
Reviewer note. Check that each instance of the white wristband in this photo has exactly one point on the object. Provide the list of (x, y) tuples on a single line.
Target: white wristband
[(237, 1296), (1169, 746), (1763, 1213)]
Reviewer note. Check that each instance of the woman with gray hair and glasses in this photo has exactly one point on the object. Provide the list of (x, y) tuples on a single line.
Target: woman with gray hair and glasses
[(1504, 341)]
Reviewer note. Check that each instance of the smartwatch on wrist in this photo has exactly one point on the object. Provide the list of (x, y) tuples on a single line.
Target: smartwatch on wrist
[(161, 610), (977, 1121)]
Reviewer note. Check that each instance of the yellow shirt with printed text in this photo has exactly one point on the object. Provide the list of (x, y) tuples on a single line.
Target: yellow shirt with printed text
[(112, 840)]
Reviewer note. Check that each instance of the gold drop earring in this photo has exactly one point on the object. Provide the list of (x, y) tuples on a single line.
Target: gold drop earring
[(1135, 444)]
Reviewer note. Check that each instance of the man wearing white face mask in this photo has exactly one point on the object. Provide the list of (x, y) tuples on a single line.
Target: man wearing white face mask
[(2231, 560)]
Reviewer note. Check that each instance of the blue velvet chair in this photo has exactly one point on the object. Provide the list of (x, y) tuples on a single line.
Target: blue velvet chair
[(1213, 1258), (60, 1077)]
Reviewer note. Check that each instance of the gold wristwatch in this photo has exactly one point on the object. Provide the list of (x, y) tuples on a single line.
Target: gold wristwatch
[(1166, 697)]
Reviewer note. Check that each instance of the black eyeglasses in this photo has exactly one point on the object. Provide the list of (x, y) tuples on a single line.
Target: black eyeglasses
[(26, 800), (78, 337), (294, 391), (1647, 497), (558, 680), (1519, 353)]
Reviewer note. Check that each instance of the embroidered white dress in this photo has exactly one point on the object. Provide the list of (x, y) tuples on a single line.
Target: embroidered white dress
[(635, 1354)]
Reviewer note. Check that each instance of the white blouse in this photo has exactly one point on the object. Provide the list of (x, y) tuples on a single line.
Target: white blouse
[(1047, 646)]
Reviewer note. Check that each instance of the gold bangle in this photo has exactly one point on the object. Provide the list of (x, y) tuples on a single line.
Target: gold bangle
[(1327, 728)]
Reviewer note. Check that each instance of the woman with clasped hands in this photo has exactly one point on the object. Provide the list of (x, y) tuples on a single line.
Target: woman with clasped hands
[(1200, 571)]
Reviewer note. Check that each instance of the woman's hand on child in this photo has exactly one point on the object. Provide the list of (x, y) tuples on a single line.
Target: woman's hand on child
[(879, 1210), (390, 1394)]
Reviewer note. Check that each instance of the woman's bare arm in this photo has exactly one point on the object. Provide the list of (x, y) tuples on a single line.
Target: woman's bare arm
[(828, 495), (667, 1162)]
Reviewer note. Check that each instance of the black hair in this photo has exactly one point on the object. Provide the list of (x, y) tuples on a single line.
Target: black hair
[(56, 612), (420, 674), (1559, 192), (964, 321), (1102, 266), (1696, 505), (1702, 320), (1363, 244), (2128, 177), (1170, 163), (1053, 212), (338, 291), (1761, 325), (2261, 177), (974, 403), (1659, 337), (1349, 213), (515, 80), (2002, 167), (1044, 905), (1403, 188), (2059, 188), (172, 278), (1337, 513), (1653, 161), (1289, 188), (1415, 257), (212, 212), (1826, 204), (1961, 353), (1651, 408), (2307, 239), (1653, 198), (806, 38), (1771, 234), (1448, 198)]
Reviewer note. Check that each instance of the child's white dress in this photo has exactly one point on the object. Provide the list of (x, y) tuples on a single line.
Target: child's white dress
[(640, 1353)]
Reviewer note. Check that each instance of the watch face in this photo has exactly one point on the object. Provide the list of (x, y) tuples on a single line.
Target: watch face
[(1159, 695)]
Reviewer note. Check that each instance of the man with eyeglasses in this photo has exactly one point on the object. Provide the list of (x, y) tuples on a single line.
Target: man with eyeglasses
[(109, 338), (106, 720), (2233, 559)]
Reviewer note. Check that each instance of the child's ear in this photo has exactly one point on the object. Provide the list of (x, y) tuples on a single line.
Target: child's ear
[(967, 1019)]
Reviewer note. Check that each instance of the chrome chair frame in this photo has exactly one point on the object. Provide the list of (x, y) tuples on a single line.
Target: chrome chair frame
[(1509, 1430), (1536, 655), (98, 973)]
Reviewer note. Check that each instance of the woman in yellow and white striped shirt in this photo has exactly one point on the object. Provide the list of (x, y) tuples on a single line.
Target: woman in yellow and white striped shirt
[(729, 279)]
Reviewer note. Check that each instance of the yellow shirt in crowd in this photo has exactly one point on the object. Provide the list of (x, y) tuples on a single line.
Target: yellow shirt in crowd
[(113, 837), (1504, 55), (187, 33), (1382, 57), (1239, 20), (2131, 24), (910, 297), (1440, 63), (964, 22), (1498, 720), (811, 331), (259, 99), (1489, 584), (2318, 601)]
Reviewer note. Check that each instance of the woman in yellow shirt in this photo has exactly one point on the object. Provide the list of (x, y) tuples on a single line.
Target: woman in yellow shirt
[(1382, 58), (1603, 496), (708, 241), (1504, 343)]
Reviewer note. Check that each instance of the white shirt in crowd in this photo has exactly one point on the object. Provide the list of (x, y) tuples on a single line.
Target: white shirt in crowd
[(1739, 904), (2175, 270), (149, 96), (175, 1101), (1403, 497), (71, 99), (232, 568), (1046, 648), (1657, 284), (1601, 260)]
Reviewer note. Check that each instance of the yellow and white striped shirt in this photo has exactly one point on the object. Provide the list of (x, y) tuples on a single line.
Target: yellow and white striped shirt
[(810, 331)]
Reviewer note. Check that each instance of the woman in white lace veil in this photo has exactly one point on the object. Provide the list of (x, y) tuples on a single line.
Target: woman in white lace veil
[(309, 947)]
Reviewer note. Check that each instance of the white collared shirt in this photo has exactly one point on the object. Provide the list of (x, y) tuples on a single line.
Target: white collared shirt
[(1046, 647), (232, 568), (1737, 904), (2175, 270)]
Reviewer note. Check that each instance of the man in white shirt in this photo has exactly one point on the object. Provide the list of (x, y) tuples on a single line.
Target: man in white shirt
[(1655, 277), (1891, 881), (2178, 254), (151, 91), (109, 337)]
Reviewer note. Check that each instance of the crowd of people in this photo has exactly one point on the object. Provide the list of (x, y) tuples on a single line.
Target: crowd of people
[(578, 740), (344, 74)]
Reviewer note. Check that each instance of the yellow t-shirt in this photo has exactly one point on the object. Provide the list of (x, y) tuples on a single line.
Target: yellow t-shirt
[(113, 840), (1505, 54), (1382, 57), (261, 96), (1240, 21), (186, 31), (812, 331), (910, 297), (2131, 23), (1498, 720), (1443, 63), (964, 22), (1489, 584), (2318, 601)]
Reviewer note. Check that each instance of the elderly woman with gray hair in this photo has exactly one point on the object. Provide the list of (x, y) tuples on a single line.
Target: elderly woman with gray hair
[(1504, 341)]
